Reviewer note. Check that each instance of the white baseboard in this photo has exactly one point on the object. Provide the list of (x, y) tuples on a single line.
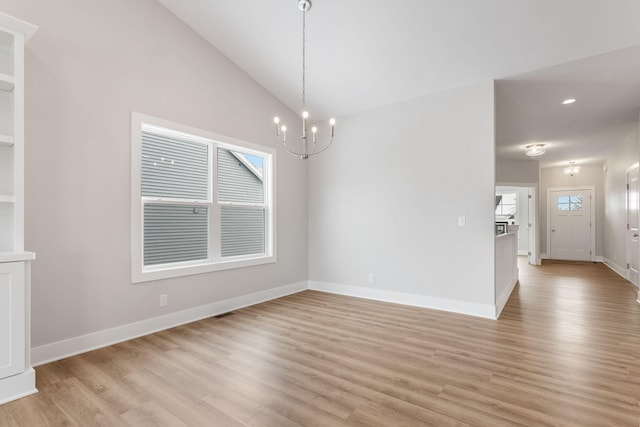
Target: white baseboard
[(544, 256), (502, 299), (622, 272), (17, 386), (521, 253), (474, 309), (70, 347), (598, 258)]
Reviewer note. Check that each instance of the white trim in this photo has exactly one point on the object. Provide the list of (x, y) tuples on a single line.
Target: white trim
[(487, 311), (15, 25), (18, 386), (598, 258), (72, 346), (622, 272), (592, 206), (544, 256), (502, 299)]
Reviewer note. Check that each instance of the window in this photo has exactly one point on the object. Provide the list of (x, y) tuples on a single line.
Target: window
[(570, 203), (506, 206), (200, 202)]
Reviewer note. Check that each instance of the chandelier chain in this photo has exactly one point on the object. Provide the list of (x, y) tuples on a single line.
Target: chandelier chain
[(309, 136), (304, 58)]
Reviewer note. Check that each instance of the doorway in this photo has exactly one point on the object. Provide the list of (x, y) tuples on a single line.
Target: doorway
[(571, 235), (519, 207), (633, 258)]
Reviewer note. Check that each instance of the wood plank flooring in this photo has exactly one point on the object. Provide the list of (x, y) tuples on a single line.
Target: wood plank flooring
[(566, 351)]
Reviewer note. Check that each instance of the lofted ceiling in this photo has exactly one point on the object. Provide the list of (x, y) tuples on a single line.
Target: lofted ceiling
[(362, 55)]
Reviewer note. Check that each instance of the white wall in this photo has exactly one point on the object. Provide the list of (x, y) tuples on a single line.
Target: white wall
[(386, 200), (622, 155), (88, 66), (590, 175)]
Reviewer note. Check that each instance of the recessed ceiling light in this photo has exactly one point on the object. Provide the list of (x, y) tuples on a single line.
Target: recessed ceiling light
[(568, 101)]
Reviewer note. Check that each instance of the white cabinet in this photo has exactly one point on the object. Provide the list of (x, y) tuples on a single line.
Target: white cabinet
[(12, 319), (17, 377)]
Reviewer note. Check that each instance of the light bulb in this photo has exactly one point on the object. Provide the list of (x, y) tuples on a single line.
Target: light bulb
[(305, 114), (332, 122), (314, 129), (283, 128), (276, 120)]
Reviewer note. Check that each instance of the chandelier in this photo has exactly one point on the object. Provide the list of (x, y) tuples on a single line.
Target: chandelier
[(534, 150), (306, 148), (572, 169)]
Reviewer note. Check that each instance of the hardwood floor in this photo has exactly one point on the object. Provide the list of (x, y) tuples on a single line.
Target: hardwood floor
[(566, 351)]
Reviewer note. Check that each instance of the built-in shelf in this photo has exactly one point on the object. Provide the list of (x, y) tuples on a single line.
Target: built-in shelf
[(7, 82), (16, 256), (6, 140), (17, 377)]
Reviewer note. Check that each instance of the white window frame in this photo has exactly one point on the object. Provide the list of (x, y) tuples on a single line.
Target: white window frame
[(214, 262)]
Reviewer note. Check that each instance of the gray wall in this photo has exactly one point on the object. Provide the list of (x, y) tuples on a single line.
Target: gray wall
[(386, 199), (90, 64), (510, 171)]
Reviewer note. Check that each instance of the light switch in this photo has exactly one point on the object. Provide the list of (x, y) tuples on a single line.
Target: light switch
[(462, 221)]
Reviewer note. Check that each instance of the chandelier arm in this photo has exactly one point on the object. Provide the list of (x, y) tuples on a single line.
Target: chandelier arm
[(295, 153), (313, 153)]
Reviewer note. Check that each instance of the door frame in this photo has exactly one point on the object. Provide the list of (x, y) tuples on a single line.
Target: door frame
[(534, 237), (630, 169), (592, 209)]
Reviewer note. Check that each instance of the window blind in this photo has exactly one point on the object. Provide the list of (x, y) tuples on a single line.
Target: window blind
[(174, 168), (236, 183), (242, 223), (242, 230), (175, 233)]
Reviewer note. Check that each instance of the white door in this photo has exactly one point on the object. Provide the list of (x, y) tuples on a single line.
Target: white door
[(632, 225), (530, 235), (570, 225)]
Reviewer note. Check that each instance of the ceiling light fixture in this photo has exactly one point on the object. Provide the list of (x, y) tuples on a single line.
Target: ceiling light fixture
[(534, 150), (572, 169), (281, 130), (568, 101)]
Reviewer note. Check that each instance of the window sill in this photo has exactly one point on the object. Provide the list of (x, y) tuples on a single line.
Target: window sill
[(168, 272)]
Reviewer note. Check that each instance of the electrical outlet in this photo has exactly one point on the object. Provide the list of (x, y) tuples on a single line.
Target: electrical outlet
[(372, 278), (163, 300)]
